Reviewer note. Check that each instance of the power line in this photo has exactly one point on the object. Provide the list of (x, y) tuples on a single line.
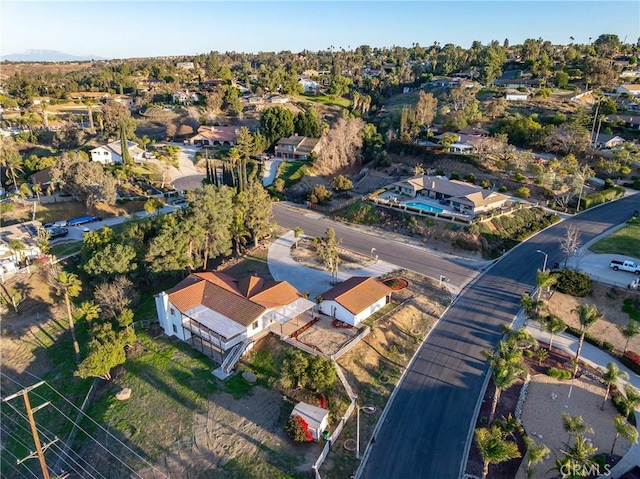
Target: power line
[(57, 447), (4, 450), (88, 434)]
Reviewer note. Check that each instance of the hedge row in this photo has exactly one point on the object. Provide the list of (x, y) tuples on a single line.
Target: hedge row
[(573, 282), (605, 345), (599, 197), (632, 361)]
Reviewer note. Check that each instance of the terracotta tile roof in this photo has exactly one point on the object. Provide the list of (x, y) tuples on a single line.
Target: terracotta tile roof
[(276, 295), (241, 301), (357, 293)]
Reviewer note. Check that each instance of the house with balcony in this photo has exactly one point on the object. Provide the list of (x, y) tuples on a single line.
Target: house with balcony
[(223, 317), (296, 148)]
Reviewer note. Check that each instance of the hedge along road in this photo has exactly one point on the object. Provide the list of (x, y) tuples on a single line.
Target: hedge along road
[(427, 430)]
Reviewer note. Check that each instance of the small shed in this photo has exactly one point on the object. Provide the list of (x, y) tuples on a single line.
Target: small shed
[(316, 417)]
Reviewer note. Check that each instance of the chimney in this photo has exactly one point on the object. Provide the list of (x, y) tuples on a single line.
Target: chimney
[(433, 185)]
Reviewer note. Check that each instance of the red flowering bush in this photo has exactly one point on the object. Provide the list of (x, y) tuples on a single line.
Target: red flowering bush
[(632, 361), (298, 429)]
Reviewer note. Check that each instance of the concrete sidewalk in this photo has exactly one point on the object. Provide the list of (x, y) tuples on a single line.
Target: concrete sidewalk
[(284, 268)]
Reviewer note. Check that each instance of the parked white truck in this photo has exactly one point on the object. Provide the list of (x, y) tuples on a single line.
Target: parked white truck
[(625, 266)]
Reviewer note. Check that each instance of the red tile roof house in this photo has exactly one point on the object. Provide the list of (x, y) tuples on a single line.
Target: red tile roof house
[(215, 136), (222, 317), (355, 299)]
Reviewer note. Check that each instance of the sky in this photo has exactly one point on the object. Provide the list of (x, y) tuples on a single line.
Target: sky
[(126, 29)]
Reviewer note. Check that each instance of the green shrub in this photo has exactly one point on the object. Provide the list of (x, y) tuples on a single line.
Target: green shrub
[(573, 282), (502, 189), (631, 306), (558, 373), (522, 192), (607, 346), (454, 175), (599, 197)]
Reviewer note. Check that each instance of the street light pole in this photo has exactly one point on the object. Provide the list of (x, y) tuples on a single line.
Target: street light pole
[(357, 428), (372, 250), (546, 256)]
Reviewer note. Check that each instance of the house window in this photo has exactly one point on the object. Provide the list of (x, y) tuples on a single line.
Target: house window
[(172, 311), (175, 329), (254, 325)]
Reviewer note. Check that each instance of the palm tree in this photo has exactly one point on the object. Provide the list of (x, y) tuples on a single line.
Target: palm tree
[(494, 448), (611, 376), (624, 429), (587, 315), (553, 325), (545, 279), (37, 189), (575, 425), (577, 458), (530, 306), (519, 338), (70, 286), (541, 355), (17, 247), (509, 425), (535, 454), (42, 241), (10, 158), (507, 367), (629, 332), (629, 401)]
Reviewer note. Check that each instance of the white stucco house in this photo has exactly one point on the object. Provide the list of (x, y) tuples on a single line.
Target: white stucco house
[(185, 97), (222, 316), (309, 86), (517, 96), (316, 418), (355, 299), (112, 153)]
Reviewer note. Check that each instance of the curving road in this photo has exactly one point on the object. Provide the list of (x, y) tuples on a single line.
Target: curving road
[(392, 249), (427, 429)]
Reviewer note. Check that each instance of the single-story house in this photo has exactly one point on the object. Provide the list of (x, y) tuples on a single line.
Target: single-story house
[(279, 99), (88, 95), (126, 100), (112, 153), (184, 97), (461, 196), (517, 97), (316, 418), (607, 142), (27, 234), (42, 178), (296, 147), (185, 65), (308, 85), (632, 122), (465, 142), (40, 100), (632, 89), (253, 99), (215, 136), (355, 299), (220, 315), (212, 83)]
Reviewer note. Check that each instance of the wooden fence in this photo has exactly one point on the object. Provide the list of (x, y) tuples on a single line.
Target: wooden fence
[(332, 208), (351, 344)]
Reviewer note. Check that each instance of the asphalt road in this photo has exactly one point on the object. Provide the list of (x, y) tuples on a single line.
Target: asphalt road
[(427, 429), (406, 255)]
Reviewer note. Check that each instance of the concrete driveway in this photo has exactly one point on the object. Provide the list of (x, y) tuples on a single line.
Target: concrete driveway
[(270, 169), (284, 268), (597, 267)]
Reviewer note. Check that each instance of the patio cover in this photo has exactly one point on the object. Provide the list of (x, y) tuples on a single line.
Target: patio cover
[(215, 321), (290, 311)]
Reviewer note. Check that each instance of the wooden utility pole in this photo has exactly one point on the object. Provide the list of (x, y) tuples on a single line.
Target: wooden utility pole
[(34, 430)]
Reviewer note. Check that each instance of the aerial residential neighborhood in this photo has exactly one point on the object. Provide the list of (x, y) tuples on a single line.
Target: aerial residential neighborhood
[(236, 252)]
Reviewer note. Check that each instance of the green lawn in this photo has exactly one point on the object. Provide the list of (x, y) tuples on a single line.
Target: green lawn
[(169, 381), (291, 171), (326, 100), (65, 249), (625, 241)]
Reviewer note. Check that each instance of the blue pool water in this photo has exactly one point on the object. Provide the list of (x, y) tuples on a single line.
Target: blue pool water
[(423, 207)]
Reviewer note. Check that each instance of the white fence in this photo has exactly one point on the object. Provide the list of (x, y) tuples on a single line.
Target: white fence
[(351, 344)]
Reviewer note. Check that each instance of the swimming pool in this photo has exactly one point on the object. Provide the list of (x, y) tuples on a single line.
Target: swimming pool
[(424, 207)]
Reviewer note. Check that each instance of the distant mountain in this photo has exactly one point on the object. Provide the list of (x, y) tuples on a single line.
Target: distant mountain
[(47, 56)]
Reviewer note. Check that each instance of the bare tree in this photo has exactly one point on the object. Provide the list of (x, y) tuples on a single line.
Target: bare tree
[(116, 296), (341, 146), (426, 108), (570, 243)]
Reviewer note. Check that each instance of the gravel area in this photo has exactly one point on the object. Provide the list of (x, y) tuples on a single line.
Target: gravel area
[(542, 417)]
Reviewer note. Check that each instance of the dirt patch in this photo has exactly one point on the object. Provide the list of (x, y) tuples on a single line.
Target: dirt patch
[(375, 365), (609, 300), (305, 253), (326, 337)]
